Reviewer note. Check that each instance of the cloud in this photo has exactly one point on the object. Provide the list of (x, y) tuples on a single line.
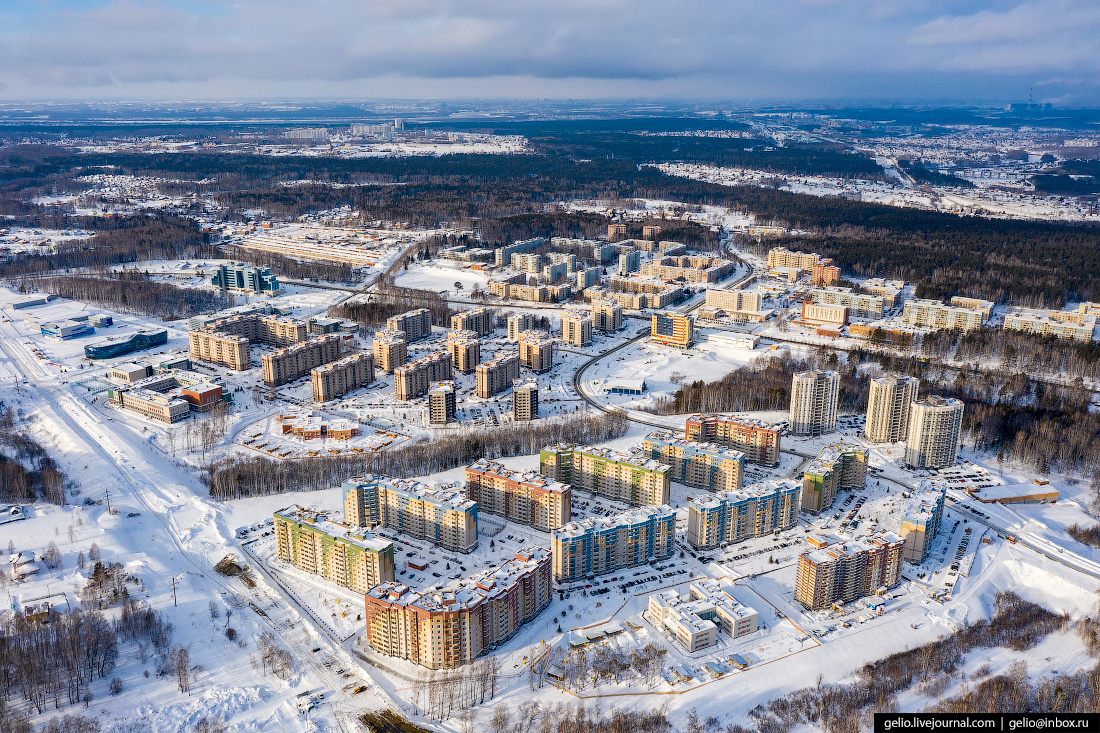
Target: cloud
[(712, 48)]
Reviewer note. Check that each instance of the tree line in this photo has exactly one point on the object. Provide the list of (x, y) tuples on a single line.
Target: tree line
[(390, 300), (237, 477), (27, 472), (131, 291)]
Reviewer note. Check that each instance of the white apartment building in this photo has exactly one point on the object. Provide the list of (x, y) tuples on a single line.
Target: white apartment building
[(888, 407), (814, 396), (935, 429)]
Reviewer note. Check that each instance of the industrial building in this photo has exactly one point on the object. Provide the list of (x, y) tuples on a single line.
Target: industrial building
[(525, 497), (839, 466), (814, 397), (935, 430), (414, 379), (605, 472), (759, 441), (443, 629), (342, 376), (888, 407), (497, 374), (840, 573), (726, 517), (695, 619), (444, 518), (700, 465), (600, 545), (442, 406), (348, 557)]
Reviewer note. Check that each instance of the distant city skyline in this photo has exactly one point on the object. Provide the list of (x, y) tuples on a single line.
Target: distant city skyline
[(977, 51)]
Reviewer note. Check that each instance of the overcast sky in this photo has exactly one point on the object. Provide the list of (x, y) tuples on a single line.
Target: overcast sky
[(964, 50)]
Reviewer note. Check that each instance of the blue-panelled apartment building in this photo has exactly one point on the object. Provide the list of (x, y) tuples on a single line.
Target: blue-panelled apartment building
[(245, 279), (599, 545), (444, 518)]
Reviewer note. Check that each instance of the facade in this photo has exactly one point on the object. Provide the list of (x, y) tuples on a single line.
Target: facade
[(442, 407), (239, 278), (825, 273), (599, 545), (759, 441), (350, 558), (536, 351), (414, 379), (525, 399), (836, 315), (700, 465), (220, 348), (390, 350), (934, 314), (1048, 326), (629, 262), (478, 320), (444, 518), (727, 517), (921, 522), (587, 277), (518, 323), (344, 375), (113, 346), (201, 397), (935, 429), (844, 572), (448, 628), (859, 305), (814, 396), (673, 329), (974, 304), (497, 374), (225, 341), (689, 268), (130, 372), (465, 350), (840, 466), (601, 471), (888, 406), (504, 254), (576, 328), (696, 619), (607, 315), (733, 300), (530, 293), (783, 257), (890, 290), (156, 405), (415, 324), (523, 497), (289, 363)]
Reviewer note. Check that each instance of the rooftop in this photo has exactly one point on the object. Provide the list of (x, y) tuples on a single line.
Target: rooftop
[(629, 518), (532, 478), (310, 518)]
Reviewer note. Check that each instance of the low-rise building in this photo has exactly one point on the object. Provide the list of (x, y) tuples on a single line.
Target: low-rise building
[(605, 472), (759, 441), (839, 466), (700, 465), (836, 315), (727, 517), (348, 557), (600, 545), (696, 619), (445, 518), (840, 573), (526, 497)]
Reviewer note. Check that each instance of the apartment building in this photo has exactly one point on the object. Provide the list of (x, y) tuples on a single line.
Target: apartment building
[(888, 407), (528, 262), (220, 348), (759, 441), (342, 376), (732, 301), (291, 362), (518, 323), (814, 396), (536, 351), (390, 350), (524, 497), (239, 278), (673, 329), (825, 273), (414, 379), (974, 304), (921, 520), (689, 268), (841, 573), (443, 629), (696, 618), (348, 557), (934, 314), (604, 472), (444, 518), (935, 429), (415, 324), (889, 290), (700, 465), (728, 517), (530, 293), (442, 406), (600, 545), (587, 277), (1049, 326), (783, 257), (576, 328), (504, 254), (629, 262), (465, 350), (497, 374), (839, 466), (525, 399), (859, 305), (273, 330), (478, 320), (607, 315)]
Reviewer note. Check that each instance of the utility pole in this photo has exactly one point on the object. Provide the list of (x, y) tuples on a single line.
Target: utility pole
[(174, 602), (108, 491)]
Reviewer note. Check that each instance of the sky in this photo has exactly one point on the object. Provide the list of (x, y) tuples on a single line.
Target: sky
[(973, 51)]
